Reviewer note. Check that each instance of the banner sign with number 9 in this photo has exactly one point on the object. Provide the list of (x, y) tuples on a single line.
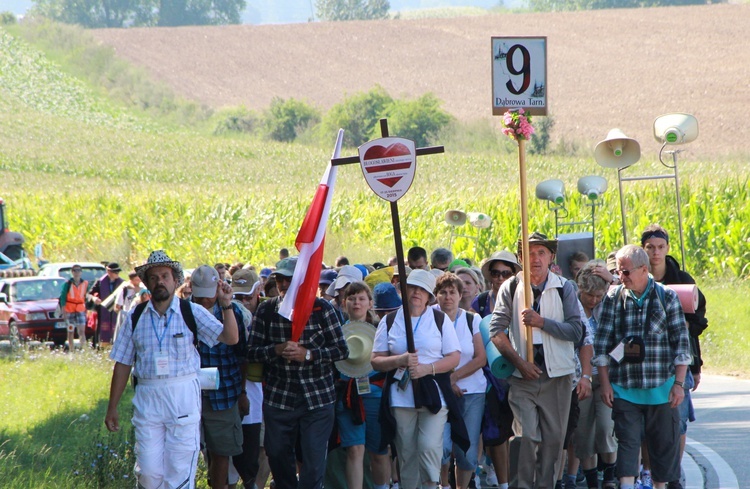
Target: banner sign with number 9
[(519, 74)]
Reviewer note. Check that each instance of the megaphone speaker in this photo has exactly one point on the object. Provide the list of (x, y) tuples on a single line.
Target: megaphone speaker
[(592, 186), (455, 217), (617, 150), (552, 190), (675, 128), (479, 220)]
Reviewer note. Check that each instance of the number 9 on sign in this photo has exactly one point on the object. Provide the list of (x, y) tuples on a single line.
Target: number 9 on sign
[(519, 74)]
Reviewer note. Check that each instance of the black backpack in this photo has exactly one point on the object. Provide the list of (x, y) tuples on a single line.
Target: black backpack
[(187, 315), (439, 318)]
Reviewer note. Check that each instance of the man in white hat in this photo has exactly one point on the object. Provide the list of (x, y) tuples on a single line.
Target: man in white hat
[(540, 386), (157, 342)]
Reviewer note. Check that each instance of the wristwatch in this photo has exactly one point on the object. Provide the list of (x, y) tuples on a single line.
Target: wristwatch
[(587, 377), (308, 355)]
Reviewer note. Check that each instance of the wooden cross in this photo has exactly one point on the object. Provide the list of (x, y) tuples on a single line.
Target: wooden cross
[(430, 150)]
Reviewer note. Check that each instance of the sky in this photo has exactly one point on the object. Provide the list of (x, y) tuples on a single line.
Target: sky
[(288, 11)]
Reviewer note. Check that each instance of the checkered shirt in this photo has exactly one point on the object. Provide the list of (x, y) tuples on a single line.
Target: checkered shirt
[(141, 345), (664, 334), (285, 380), (228, 360)]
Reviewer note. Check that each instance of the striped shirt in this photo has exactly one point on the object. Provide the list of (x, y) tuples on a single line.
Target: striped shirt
[(167, 333), (662, 327), (284, 381)]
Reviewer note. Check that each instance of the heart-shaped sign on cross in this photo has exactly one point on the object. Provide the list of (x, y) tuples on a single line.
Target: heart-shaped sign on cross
[(389, 165)]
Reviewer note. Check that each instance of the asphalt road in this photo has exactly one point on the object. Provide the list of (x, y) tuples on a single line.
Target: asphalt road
[(719, 439)]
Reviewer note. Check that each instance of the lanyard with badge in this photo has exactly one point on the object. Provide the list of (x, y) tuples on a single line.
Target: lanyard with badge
[(161, 357), (402, 374)]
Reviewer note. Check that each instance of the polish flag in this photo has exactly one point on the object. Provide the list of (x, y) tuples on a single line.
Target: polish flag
[(298, 301)]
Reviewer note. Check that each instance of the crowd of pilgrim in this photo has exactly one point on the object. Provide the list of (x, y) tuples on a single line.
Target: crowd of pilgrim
[(438, 416)]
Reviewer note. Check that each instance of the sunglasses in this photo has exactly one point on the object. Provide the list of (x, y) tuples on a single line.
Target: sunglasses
[(626, 272), (501, 273)]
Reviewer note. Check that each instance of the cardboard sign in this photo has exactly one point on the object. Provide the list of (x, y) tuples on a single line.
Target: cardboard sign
[(389, 165), (519, 74)]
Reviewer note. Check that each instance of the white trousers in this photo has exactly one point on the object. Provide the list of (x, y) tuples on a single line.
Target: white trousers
[(419, 443), (166, 417)]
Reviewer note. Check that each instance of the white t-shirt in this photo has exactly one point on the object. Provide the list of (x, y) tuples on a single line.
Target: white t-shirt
[(475, 383), (255, 396), (431, 346)]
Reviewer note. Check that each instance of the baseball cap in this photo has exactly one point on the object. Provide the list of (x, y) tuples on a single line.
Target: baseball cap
[(204, 281)]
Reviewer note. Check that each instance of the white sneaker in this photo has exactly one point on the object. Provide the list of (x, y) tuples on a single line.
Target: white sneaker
[(477, 482), (394, 485), (491, 476)]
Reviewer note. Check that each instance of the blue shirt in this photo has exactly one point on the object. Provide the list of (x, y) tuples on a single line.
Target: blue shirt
[(228, 360)]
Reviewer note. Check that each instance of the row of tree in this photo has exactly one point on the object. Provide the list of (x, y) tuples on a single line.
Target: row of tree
[(140, 13), (135, 13)]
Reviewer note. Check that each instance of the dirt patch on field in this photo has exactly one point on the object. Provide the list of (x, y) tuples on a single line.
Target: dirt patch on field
[(606, 68)]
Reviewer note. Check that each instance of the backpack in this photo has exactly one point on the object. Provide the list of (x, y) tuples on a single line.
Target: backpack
[(187, 315), (439, 318)]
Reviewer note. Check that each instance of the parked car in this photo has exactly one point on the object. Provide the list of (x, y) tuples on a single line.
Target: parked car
[(92, 271), (29, 309)]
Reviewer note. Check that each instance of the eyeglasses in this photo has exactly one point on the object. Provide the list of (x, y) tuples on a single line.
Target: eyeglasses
[(626, 272), (501, 273)]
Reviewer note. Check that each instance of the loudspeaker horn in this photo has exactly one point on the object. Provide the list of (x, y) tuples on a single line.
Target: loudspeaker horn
[(479, 220), (455, 217), (675, 128), (592, 186), (617, 150), (552, 190)]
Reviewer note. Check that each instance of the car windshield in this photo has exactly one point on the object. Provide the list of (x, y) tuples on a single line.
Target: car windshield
[(36, 290), (89, 274)]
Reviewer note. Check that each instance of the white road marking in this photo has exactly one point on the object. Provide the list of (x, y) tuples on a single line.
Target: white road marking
[(726, 477)]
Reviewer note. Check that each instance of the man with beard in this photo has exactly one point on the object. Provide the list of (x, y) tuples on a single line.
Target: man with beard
[(157, 341)]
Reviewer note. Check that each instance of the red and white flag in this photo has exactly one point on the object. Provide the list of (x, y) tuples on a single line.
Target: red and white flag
[(298, 301)]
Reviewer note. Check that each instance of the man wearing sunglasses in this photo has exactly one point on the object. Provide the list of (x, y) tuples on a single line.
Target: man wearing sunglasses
[(642, 351), (540, 387)]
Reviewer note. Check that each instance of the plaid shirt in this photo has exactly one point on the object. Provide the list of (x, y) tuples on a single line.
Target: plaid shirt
[(662, 328), (176, 340), (228, 360), (285, 380)]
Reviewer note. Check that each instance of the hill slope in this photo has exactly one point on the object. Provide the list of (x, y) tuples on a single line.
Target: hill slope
[(607, 68)]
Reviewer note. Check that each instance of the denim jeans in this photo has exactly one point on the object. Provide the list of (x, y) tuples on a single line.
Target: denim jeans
[(472, 410)]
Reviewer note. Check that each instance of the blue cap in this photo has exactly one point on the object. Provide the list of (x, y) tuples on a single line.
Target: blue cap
[(362, 269), (385, 297), (328, 276), (266, 272)]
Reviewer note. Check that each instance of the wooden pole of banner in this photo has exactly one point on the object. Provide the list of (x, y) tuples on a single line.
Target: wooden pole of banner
[(397, 232), (528, 301)]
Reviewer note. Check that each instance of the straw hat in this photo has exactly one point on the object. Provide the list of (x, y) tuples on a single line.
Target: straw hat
[(359, 338), (160, 259)]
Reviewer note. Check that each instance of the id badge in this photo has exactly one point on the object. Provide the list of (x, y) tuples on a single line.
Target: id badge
[(363, 385), (162, 363), (399, 373), (618, 352)]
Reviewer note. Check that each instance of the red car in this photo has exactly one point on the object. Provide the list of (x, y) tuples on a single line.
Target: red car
[(28, 308)]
